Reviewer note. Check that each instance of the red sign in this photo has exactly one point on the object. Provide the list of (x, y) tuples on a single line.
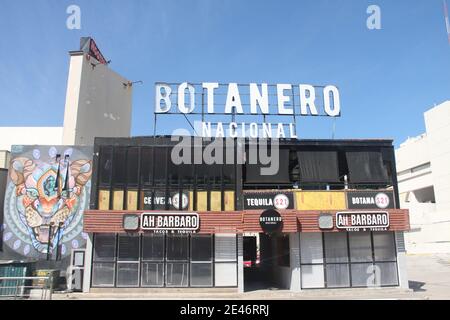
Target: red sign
[(95, 52)]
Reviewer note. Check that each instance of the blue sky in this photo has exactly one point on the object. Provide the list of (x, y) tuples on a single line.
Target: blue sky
[(387, 78)]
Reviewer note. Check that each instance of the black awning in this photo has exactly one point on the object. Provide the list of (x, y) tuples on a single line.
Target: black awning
[(318, 166), (253, 171), (366, 167)]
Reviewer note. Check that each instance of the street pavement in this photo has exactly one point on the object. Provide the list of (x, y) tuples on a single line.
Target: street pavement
[(428, 274)]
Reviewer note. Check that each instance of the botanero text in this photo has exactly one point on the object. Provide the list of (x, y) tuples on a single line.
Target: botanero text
[(251, 99)]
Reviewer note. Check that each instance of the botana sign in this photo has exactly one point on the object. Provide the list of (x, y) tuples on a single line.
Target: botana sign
[(212, 98)]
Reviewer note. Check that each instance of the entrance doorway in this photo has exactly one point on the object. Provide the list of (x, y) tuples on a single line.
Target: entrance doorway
[(266, 262)]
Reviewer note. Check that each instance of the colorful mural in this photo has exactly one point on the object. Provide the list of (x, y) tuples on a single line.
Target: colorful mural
[(47, 192)]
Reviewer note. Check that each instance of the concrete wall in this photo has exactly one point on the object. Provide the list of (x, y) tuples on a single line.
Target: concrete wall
[(430, 229), (437, 122), (430, 222), (29, 136), (4, 159), (97, 102)]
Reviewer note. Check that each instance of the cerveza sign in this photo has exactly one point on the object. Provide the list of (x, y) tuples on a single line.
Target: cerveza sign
[(164, 222), (268, 200), (157, 200), (212, 98), (370, 200), (362, 221)]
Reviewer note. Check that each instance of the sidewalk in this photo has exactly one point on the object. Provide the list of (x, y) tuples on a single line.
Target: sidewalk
[(328, 294), (429, 277)]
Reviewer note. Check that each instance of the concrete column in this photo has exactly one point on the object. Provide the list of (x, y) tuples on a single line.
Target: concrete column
[(88, 263), (401, 260), (294, 248), (240, 262)]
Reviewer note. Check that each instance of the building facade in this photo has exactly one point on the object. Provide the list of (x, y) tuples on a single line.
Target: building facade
[(423, 182), (328, 218)]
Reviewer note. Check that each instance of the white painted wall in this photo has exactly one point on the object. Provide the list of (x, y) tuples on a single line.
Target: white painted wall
[(4, 159), (29, 136), (97, 102), (437, 123), (430, 222)]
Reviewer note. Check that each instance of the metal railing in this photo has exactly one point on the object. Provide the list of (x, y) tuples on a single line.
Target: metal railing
[(26, 288)]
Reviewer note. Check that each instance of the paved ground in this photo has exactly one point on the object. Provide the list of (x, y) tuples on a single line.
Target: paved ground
[(429, 279), (429, 276)]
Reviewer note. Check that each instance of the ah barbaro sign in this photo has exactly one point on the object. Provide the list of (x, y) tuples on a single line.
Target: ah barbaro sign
[(258, 99), (362, 221), (165, 222)]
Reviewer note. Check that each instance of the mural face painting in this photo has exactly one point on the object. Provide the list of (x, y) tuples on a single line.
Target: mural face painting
[(47, 191)]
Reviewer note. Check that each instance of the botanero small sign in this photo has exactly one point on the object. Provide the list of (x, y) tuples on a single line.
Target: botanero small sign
[(363, 221), (173, 222)]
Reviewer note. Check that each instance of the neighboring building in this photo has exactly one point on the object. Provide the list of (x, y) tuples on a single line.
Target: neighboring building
[(153, 223), (98, 100), (98, 103), (50, 167), (4, 159), (423, 168), (29, 136)]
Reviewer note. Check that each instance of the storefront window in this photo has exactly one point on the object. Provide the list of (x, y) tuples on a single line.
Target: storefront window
[(105, 247), (362, 274), (128, 248), (337, 275), (127, 274), (360, 247), (159, 260), (386, 274), (384, 248), (311, 258), (336, 249), (177, 247), (355, 259), (361, 253), (152, 266), (177, 274), (152, 274), (128, 261), (225, 255), (201, 260), (153, 247), (103, 274), (103, 265)]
